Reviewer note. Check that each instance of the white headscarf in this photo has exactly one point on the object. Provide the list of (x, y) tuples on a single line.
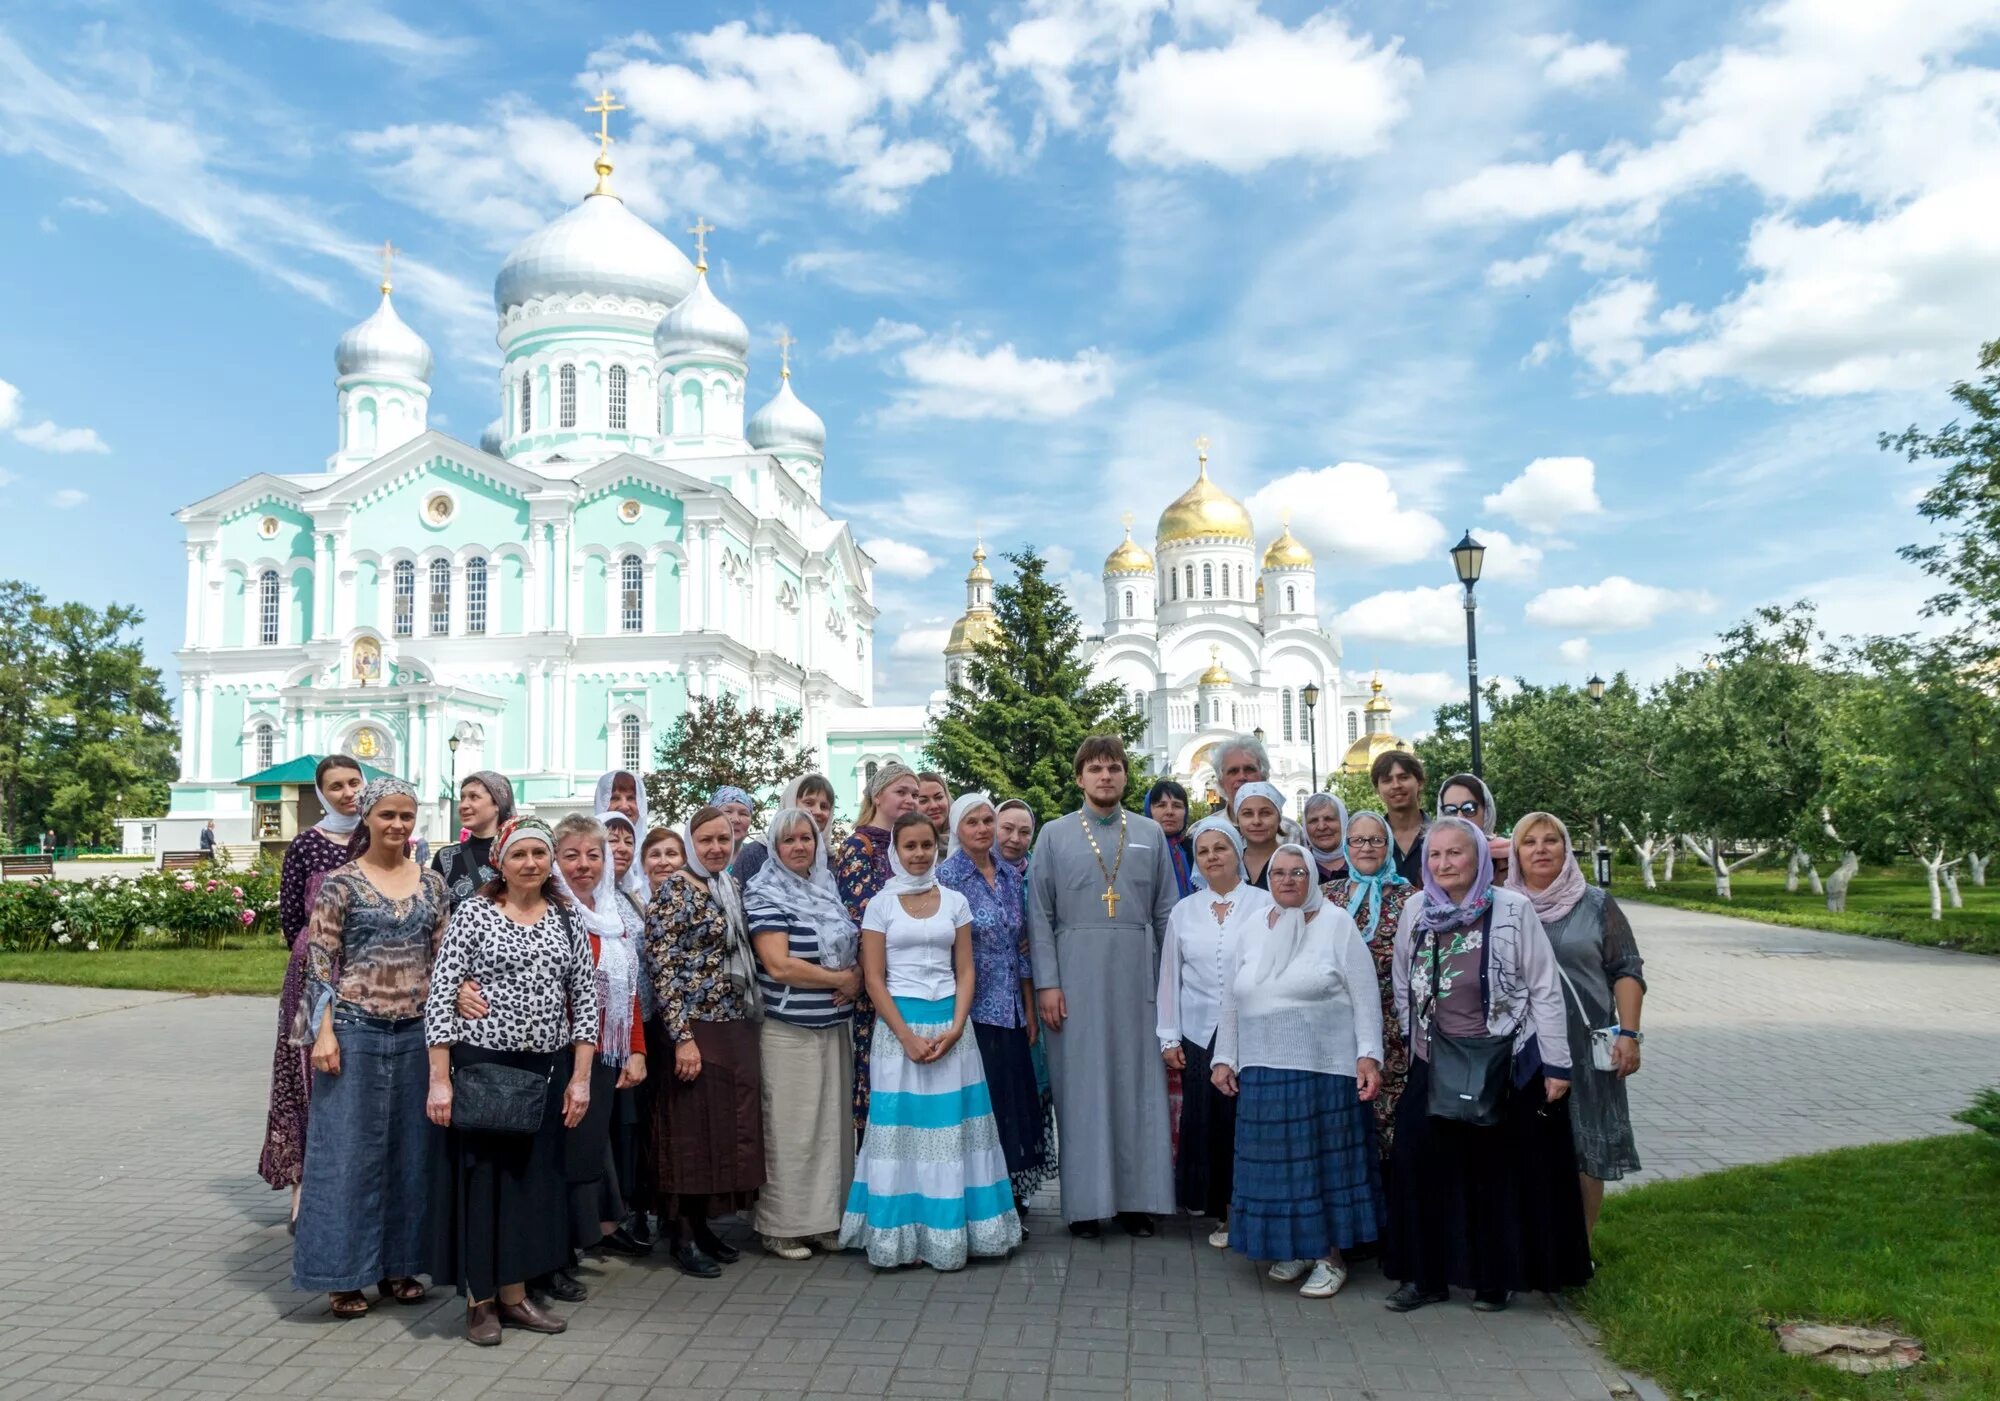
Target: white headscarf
[(812, 899), (1339, 853), (336, 823), (618, 928), (1221, 824), (634, 882), (721, 887), (1261, 789), (963, 807), (901, 882), (1286, 939)]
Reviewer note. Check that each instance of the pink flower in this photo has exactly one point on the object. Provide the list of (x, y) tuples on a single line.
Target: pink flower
[(237, 891), (211, 885), (249, 916)]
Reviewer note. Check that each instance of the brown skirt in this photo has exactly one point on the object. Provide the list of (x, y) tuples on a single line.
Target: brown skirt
[(710, 1132)]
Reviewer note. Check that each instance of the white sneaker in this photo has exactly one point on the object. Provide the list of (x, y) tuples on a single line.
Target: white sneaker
[(1285, 1271), (1325, 1280), (786, 1248), (1219, 1238)]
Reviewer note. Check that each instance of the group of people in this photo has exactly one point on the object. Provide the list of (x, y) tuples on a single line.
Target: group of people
[(606, 1035)]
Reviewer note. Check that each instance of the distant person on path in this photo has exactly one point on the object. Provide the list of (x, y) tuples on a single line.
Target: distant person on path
[(376, 924), (1398, 779), (1014, 828), (1466, 795), (1197, 955), (208, 840), (485, 804), (319, 849), (1100, 891), (860, 870), (1373, 894), (1300, 1046), (1491, 1208), (1604, 986), (1324, 818), (1167, 804)]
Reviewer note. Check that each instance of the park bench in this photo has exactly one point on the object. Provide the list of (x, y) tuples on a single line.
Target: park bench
[(182, 860), (37, 864)]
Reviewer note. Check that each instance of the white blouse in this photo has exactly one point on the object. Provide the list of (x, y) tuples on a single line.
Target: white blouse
[(919, 951), (1196, 958), (1322, 1013)]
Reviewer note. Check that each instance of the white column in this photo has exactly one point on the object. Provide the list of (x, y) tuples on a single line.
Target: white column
[(537, 721), (534, 586), (708, 576), (339, 585), (564, 583), (190, 726), (323, 584), (192, 636), (204, 735)]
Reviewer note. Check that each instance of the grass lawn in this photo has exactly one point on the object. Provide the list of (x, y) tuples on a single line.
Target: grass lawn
[(258, 970), (1903, 1236), (1885, 902)]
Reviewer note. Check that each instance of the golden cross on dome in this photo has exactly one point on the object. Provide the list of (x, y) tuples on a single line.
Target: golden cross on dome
[(701, 229), (388, 264), (603, 109), (1201, 451), (1127, 519), (785, 342)]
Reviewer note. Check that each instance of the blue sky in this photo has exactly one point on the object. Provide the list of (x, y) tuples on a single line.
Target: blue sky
[(1629, 290)]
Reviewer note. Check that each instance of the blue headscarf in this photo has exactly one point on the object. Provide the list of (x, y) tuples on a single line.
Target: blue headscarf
[(730, 793), (1179, 846), (1369, 888)]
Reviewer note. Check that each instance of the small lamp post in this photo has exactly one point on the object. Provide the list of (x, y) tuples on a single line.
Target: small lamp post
[(1595, 688), (1259, 732), (1468, 557), (1310, 695), (452, 745)]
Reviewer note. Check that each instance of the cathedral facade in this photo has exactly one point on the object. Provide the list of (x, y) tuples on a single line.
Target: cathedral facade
[(624, 537)]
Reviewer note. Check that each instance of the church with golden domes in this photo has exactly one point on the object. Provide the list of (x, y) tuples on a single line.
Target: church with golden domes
[(1211, 637)]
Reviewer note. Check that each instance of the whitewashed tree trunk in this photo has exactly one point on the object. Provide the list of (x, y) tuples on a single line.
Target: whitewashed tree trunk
[(1710, 855), (1951, 886), (1812, 877), (1837, 883), (1934, 871), (1975, 862), (1792, 864), (1667, 862), (1646, 851)]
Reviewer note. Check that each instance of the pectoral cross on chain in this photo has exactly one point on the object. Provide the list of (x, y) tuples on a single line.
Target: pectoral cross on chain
[(1110, 899)]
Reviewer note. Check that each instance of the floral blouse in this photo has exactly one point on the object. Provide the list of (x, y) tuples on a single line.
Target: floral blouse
[(538, 981), (312, 853), (687, 955), (861, 869), (999, 938), (369, 952)]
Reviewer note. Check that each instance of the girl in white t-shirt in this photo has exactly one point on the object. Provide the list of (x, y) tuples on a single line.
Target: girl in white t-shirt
[(930, 1182)]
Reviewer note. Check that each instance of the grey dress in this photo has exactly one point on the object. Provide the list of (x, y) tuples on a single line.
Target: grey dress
[(1595, 946)]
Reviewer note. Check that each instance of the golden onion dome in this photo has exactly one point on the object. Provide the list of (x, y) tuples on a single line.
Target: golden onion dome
[(1204, 512), (1362, 754), (979, 574), (972, 632), (1378, 704), (1217, 674), (1129, 557), (1287, 552)]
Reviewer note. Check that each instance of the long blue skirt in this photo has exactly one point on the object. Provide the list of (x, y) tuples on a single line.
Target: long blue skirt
[(1308, 1177)]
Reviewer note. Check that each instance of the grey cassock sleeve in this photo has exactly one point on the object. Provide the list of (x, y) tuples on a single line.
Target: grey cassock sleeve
[(1042, 891)]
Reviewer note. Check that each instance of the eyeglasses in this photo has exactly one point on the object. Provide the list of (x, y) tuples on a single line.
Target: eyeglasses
[(1367, 843), (1464, 809)]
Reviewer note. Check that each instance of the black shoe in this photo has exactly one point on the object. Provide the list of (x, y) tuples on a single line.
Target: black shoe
[(621, 1242), (1086, 1230), (1135, 1223), (693, 1260), (715, 1247), (1410, 1298), (641, 1230), (1491, 1300), (560, 1284)]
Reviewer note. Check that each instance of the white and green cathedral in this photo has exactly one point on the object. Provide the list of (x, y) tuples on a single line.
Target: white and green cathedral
[(624, 537)]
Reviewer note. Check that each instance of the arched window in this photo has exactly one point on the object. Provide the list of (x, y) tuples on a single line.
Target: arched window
[(1291, 599), (1189, 570), (616, 415), (868, 772), (666, 408), (267, 746), (1225, 581), (1285, 711), (527, 401), (566, 397), (1173, 587), (1208, 581), (440, 597), (1353, 727), (406, 598), (628, 743), (475, 594), (267, 608), (1128, 603), (632, 594), (688, 422)]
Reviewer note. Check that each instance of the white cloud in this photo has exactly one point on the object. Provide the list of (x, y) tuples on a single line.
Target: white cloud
[(1615, 604), (10, 405), (1569, 64), (1507, 561), (951, 378), (1056, 37), (43, 436), (1549, 493), (68, 497), (362, 22), (922, 642), (1512, 272), (1351, 510), (868, 274), (881, 336), (896, 558), (1416, 695), (84, 204), (7, 478), (1433, 617), (1574, 650), (1318, 93)]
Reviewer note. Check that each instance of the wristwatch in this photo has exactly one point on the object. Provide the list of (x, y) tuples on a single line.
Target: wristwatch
[(1638, 1036)]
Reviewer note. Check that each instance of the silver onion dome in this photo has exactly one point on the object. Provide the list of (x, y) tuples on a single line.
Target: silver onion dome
[(383, 345), (490, 440), (786, 423), (599, 248), (700, 324)]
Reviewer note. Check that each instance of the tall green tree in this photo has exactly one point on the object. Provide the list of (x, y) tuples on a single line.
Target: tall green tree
[(23, 652), (716, 742), (1028, 701), (1965, 504)]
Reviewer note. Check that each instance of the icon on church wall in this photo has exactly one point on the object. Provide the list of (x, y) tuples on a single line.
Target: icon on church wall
[(367, 660), (628, 511), (366, 744), (268, 527), (438, 508)]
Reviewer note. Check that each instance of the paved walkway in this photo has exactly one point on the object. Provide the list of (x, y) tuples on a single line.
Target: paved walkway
[(141, 1258)]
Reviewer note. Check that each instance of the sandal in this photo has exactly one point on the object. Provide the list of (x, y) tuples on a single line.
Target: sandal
[(403, 1290), (348, 1303)]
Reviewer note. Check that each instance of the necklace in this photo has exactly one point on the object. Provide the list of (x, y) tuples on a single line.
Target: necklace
[(1110, 895)]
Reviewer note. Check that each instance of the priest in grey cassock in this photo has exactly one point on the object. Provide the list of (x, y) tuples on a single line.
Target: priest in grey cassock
[(1100, 888)]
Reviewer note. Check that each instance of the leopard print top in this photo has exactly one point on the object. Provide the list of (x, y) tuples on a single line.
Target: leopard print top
[(539, 981)]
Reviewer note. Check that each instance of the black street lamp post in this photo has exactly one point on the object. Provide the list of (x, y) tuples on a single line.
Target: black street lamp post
[(452, 745), (1310, 695), (1595, 686), (1468, 556)]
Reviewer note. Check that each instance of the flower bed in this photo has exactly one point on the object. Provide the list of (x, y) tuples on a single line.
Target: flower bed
[(184, 909)]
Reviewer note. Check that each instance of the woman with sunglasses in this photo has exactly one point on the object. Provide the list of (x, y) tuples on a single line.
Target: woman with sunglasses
[(1466, 796)]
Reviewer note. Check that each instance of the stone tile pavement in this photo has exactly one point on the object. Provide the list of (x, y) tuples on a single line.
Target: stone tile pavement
[(140, 1257)]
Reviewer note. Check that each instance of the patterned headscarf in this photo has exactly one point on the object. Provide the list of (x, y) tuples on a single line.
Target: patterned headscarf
[(729, 793), (1439, 914), (1369, 888), (523, 829), (812, 900), (1338, 855), (376, 790), (728, 897)]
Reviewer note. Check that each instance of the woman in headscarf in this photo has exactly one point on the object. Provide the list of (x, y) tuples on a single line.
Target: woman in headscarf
[(740, 808), (930, 1183), (485, 804), (1372, 893), (1196, 954), (1324, 820), (376, 921), (1490, 1208), (1604, 985), (1260, 813), (709, 1118), (499, 1199), (315, 851), (1014, 828), (1003, 1001), (1300, 1044), (664, 853), (809, 976), (860, 870), (810, 792), (1167, 804), (1466, 795), (621, 790)]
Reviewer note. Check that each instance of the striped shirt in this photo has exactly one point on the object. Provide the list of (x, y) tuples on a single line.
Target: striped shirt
[(807, 1007)]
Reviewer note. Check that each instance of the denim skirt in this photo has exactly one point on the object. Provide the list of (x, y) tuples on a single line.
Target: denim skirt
[(364, 1204)]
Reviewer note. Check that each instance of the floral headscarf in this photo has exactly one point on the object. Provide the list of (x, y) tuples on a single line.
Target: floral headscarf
[(1369, 888), (1439, 914)]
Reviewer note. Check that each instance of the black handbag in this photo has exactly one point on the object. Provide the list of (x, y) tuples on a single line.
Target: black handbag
[(1470, 1075), (488, 1097)]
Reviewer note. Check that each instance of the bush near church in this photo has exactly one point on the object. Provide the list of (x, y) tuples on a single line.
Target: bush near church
[(184, 909)]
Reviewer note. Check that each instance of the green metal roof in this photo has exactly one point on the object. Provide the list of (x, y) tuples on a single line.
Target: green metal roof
[(300, 770)]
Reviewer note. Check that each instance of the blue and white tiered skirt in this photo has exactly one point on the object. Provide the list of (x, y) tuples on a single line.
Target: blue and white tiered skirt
[(930, 1182)]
